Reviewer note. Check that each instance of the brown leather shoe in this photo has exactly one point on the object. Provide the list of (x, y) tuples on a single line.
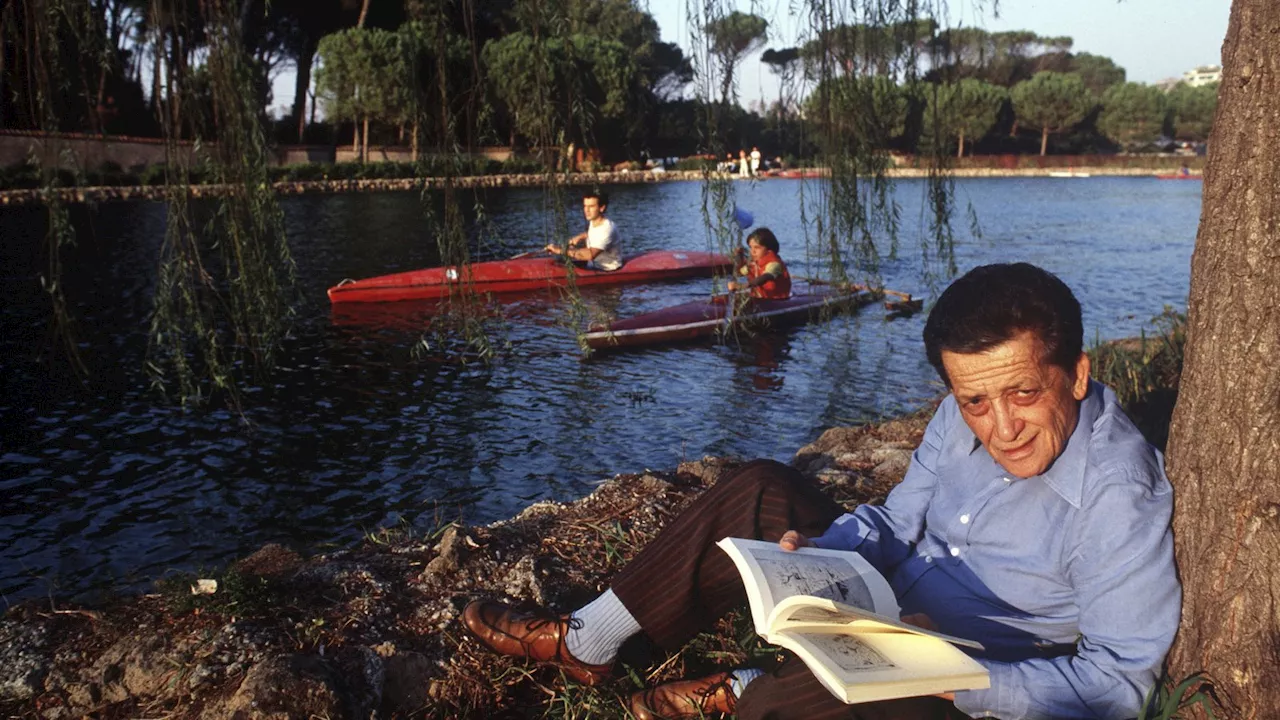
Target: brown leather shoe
[(685, 698), (537, 636)]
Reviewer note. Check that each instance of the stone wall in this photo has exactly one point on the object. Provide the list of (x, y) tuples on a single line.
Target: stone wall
[(75, 151)]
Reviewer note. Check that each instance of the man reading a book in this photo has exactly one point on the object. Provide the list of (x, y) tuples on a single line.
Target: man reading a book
[(1033, 519)]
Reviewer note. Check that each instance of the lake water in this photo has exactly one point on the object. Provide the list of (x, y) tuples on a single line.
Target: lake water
[(103, 486)]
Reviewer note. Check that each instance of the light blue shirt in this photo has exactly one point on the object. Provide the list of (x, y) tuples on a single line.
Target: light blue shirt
[(1066, 578)]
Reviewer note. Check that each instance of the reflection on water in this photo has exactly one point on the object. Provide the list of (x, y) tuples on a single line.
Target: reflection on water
[(103, 485)]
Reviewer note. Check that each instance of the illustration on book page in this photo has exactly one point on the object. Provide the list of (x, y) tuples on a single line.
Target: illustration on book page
[(849, 653), (823, 577)]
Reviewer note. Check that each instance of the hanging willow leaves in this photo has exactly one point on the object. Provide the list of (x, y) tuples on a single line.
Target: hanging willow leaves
[(222, 302), (63, 59)]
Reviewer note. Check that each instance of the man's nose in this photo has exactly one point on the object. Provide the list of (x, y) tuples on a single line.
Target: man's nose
[(1008, 424)]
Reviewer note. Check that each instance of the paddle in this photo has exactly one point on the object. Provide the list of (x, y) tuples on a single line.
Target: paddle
[(526, 254)]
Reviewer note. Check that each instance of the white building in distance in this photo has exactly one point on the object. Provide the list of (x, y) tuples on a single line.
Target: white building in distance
[(1203, 75)]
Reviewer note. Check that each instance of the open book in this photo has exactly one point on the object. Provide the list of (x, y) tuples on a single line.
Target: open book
[(838, 615)]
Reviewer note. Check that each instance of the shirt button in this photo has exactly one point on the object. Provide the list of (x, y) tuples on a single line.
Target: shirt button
[(955, 552), (1006, 479), (964, 519), (928, 558)]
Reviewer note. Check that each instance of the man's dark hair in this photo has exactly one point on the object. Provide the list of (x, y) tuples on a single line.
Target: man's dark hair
[(991, 304), (766, 238), (601, 197)]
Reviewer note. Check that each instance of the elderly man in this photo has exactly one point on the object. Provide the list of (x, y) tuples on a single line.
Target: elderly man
[(1034, 519)]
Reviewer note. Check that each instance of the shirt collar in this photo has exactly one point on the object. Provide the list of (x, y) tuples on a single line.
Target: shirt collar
[(1066, 475)]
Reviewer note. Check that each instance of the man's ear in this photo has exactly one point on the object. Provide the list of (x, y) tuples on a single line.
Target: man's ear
[(1080, 386)]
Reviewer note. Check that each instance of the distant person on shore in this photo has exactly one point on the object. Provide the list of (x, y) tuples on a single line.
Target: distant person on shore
[(598, 248), (756, 157), (1184, 171), (766, 275), (728, 165), (744, 166)]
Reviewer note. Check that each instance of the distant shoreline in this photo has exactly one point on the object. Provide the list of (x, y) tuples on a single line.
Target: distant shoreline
[(109, 193)]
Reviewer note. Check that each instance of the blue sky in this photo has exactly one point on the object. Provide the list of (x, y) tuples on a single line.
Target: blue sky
[(1150, 39)]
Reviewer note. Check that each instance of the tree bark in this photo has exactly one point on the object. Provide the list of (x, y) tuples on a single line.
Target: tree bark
[(303, 64), (1224, 443)]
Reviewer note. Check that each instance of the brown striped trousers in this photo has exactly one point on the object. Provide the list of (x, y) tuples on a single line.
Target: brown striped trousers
[(681, 583)]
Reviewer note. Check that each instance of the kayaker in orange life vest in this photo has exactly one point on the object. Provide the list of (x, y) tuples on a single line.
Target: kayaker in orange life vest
[(767, 276)]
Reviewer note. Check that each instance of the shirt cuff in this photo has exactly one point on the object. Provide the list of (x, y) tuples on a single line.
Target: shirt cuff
[(1003, 699), (844, 534)]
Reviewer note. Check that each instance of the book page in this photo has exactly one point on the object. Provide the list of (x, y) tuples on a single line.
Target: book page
[(772, 574), (824, 615), (879, 666)]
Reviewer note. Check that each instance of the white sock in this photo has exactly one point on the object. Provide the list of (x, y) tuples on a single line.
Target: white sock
[(599, 628), (739, 679)]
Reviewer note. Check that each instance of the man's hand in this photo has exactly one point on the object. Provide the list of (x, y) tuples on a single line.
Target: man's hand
[(920, 620), (553, 249), (792, 541)]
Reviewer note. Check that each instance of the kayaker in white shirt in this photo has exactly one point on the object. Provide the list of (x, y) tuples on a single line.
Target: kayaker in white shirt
[(598, 248)]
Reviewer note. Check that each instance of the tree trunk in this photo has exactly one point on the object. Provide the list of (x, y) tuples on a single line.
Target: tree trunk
[(960, 153), (1044, 141), (155, 73), (364, 142), (364, 13), (4, 12), (1224, 443), (355, 137), (303, 62)]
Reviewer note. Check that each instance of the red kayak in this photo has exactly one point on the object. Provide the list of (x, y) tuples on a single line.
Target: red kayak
[(524, 275), (705, 318), (803, 173)]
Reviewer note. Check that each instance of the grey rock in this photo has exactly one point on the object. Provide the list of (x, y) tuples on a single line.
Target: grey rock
[(23, 660), (285, 687), (408, 683), (523, 581)]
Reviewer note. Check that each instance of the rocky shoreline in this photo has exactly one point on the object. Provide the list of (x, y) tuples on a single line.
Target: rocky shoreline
[(372, 631), (112, 193)]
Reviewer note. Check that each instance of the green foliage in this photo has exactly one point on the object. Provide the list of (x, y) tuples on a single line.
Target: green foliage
[(1098, 72), (223, 298), (731, 38), (1000, 58), (1191, 110), (883, 48), (1051, 102), (361, 75), (1169, 701), (1145, 372), (1132, 114), (238, 594), (873, 108), (965, 110), (546, 84)]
